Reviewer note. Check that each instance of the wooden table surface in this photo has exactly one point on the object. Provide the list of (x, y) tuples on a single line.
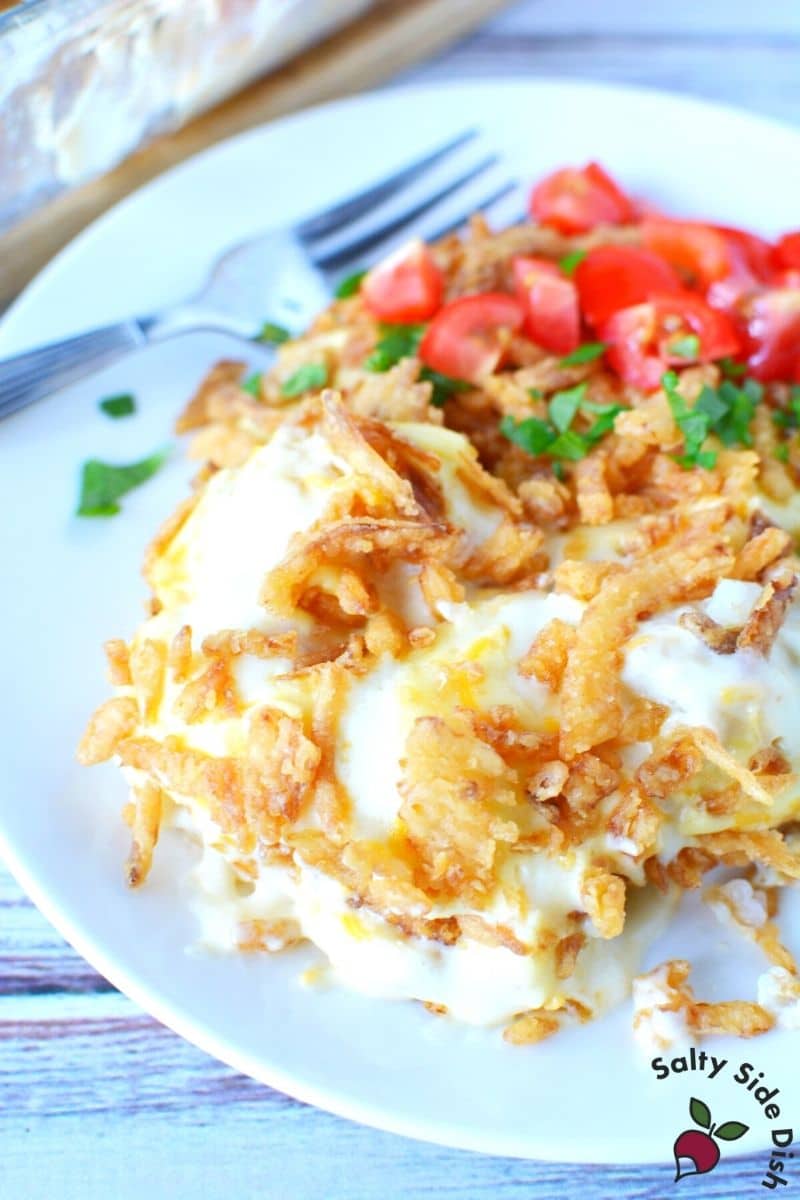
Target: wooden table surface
[(97, 1100)]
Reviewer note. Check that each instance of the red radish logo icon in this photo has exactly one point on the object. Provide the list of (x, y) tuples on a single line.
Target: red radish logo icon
[(696, 1152)]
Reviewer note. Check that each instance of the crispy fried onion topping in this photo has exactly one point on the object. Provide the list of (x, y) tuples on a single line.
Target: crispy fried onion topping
[(665, 1009), (591, 697)]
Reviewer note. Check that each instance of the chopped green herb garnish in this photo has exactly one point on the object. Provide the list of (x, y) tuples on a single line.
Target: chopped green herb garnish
[(349, 285), (584, 354), (601, 410), (733, 427), (102, 484), (535, 394), (396, 342), (707, 459), (693, 423), (558, 471), (570, 261), (531, 435), (604, 423), (272, 334), (252, 384), (555, 437), (686, 346), (732, 369), (564, 405), (782, 452), (726, 411), (308, 378), (119, 406), (570, 445), (789, 418), (444, 386)]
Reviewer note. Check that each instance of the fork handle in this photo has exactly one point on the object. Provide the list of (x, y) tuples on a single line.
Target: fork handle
[(36, 373)]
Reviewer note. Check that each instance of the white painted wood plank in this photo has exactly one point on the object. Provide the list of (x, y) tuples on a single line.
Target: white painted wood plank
[(33, 957), (304, 1155)]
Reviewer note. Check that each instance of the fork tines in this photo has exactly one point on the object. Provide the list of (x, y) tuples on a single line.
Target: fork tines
[(430, 197)]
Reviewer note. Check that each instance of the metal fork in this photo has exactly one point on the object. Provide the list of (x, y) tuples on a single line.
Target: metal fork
[(285, 275)]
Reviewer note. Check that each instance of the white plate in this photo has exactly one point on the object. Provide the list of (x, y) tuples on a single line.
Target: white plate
[(68, 584)]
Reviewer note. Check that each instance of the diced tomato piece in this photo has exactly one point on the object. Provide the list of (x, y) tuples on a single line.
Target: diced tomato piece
[(406, 287), (688, 314), (575, 199), (630, 336), (468, 337), (773, 330), (647, 338), (701, 253), (726, 263), (615, 277), (550, 300), (754, 253), (786, 254)]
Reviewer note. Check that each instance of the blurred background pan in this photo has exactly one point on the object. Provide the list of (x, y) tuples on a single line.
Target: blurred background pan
[(83, 83)]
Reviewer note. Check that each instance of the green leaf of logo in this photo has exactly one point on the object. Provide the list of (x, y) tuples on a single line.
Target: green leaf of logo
[(700, 1113), (731, 1130)]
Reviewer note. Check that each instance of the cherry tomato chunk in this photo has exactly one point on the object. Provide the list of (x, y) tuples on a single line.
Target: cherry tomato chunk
[(786, 254), (615, 277), (629, 334), (550, 301), (406, 287), (672, 330), (773, 330), (576, 199), (699, 252), (750, 252), (468, 337)]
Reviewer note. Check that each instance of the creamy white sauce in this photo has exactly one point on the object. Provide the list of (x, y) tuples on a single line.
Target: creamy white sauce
[(475, 515), (779, 994), (743, 697), (478, 984), (243, 525), (656, 1026)]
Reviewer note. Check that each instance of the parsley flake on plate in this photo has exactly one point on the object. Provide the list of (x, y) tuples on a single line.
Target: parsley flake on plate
[(572, 260), (564, 405), (121, 405), (308, 378), (252, 383), (687, 346), (350, 285), (396, 342), (272, 334), (555, 436), (444, 386), (732, 369), (103, 484), (725, 411), (789, 418), (588, 352)]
